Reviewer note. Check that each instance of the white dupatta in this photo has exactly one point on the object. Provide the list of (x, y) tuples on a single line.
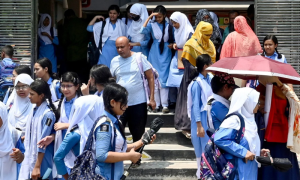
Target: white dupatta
[(108, 31), (8, 167), (243, 101), (157, 32), (32, 135), (205, 94)]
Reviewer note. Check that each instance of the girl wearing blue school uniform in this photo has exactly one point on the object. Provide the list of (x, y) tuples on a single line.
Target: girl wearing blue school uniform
[(183, 31), (39, 125), (245, 101), (278, 150), (109, 131), (160, 54), (113, 28), (139, 42), (222, 86), (47, 37), (43, 70), (85, 111), (198, 92)]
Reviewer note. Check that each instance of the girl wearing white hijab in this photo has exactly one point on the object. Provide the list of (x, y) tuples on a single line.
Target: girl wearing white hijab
[(183, 32), (39, 125), (8, 141), (85, 111), (139, 15), (113, 28), (245, 101), (22, 107), (47, 37)]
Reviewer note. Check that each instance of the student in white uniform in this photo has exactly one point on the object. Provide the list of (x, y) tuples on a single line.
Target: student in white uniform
[(21, 107)]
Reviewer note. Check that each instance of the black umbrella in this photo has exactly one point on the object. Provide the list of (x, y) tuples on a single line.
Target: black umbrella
[(280, 164)]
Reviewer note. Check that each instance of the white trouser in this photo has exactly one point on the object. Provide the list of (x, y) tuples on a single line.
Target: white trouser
[(198, 168), (161, 97)]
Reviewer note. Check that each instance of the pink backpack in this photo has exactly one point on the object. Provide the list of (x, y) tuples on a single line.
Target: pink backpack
[(155, 75)]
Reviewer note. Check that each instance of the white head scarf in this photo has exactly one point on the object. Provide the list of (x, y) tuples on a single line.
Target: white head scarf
[(46, 29), (85, 111), (22, 107), (8, 167), (244, 101), (181, 34), (135, 27)]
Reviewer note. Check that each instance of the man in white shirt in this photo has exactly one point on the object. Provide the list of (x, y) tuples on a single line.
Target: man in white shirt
[(126, 71)]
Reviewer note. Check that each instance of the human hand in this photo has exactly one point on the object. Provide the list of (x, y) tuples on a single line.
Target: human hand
[(153, 14), (175, 46), (264, 152), (200, 132), (249, 156), (170, 46), (36, 173), (17, 155), (99, 17), (60, 126), (43, 143), (134, 156), (152, 104), (85, 88)]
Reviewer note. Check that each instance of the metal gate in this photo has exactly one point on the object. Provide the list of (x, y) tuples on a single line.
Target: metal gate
[(18, 27), (281, 18)]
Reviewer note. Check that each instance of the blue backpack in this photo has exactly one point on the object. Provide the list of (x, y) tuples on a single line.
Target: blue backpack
[(85, 163), (213, 164)]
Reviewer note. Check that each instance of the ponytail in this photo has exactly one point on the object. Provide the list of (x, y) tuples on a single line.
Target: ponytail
[(279, 55)]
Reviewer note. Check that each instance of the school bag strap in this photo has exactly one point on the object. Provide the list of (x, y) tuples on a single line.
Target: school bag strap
[(101, 34), (140, 65), (242, 128)]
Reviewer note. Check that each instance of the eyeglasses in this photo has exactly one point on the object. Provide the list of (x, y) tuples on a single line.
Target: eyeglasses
[(18, 88), (66, 86)]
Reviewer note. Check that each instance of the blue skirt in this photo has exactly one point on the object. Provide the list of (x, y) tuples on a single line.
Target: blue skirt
[(175, 74), (109, 51), (279, 150)]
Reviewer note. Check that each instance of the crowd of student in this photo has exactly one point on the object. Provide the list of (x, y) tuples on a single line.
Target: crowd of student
[(46, 122)]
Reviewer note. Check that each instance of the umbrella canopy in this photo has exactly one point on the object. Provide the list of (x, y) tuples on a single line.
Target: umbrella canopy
[(250, 67)]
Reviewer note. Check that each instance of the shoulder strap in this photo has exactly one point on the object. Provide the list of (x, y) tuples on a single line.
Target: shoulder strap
[(89, 142), (101, 34), (241, 130), (114, 149), (140, 65)]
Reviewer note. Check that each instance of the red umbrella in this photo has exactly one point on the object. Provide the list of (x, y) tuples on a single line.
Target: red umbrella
[(250, 67)]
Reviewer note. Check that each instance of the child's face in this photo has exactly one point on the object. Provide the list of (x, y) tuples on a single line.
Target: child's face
[(35, 98), (39, 70), (159, 18), (22, 90), (68, 89), (46, 22), (176, 25), (117, 108)]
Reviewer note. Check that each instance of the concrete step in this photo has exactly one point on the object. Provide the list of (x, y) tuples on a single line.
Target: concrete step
[(168, 118), (165, 170), (168, 136), (170, 152)]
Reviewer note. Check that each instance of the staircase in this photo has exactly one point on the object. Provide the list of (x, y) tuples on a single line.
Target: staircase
[(172, 154)]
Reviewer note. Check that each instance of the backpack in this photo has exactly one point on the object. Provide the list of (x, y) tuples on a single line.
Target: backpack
[(93, 50), (155, 75), (213, 164), (85, 163)]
